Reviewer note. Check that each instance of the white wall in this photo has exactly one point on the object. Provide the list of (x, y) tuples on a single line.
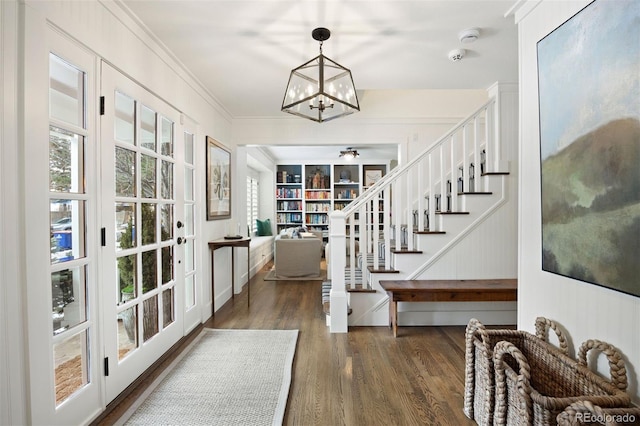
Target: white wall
[(12, 316), (584, 310), (386, 117)]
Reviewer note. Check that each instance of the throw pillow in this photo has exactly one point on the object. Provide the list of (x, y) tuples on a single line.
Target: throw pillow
[(264, 227)]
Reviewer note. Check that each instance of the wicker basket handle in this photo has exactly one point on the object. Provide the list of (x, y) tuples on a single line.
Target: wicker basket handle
[(617, 368), (568, 416), (476, 327), (523, 383), (542, 332)]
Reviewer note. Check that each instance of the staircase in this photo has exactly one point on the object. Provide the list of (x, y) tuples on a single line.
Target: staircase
[(432, 219)]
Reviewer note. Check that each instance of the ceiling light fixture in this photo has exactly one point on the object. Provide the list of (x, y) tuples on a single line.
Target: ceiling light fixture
[(320, 89), (349, 154)]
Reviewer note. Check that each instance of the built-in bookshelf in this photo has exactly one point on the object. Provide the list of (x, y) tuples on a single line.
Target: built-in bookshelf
[(289, 196), (346, 184), (306, 194)]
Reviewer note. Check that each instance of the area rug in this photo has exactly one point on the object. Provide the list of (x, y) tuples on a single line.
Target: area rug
[(226, 377), (271, 276)]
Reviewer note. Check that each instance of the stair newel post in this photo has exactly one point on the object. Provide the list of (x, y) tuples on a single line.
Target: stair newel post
[(338, 308)]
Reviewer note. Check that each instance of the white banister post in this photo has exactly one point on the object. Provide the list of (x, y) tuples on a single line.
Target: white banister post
[(338, 307)]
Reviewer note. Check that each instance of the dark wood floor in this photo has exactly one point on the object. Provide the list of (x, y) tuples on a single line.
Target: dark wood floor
[(365, 377)]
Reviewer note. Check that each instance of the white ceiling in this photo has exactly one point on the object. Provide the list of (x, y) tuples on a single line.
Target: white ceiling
[(242, 51)]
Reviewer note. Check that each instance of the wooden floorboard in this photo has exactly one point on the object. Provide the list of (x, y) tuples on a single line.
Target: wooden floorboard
[(365, 377)]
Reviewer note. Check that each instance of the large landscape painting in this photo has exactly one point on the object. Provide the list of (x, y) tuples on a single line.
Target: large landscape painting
[(589, 94)]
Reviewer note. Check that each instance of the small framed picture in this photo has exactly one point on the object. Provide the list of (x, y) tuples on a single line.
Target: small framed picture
[(372, 176), (218, 180)]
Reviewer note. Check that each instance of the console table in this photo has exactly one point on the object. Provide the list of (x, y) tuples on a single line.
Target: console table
[(213, 246)]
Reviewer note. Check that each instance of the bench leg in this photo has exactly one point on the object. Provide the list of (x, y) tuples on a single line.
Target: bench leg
[(393, 316)]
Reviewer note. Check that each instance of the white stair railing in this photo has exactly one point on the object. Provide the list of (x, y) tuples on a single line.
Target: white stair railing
[(404, 201)]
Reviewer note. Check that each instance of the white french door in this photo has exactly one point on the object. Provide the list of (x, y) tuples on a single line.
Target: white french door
[(143, 214)]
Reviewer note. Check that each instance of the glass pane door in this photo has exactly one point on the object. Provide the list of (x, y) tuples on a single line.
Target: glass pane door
[(142, 283)]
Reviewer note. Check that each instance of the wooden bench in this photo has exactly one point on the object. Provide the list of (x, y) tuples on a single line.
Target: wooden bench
[(493, 290)]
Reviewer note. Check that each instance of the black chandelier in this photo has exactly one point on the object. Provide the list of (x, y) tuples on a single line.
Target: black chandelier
[(320, 89)]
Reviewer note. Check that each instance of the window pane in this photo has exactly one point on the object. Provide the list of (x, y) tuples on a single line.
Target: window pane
[(68, 290), (167, 264), (148, 181), (71, 362), (188, 148), (188, 256), (150, 317), (166, 222), (166, 180), (149, 271), (67, 218), (125, 225), (167, 307), (125, 118), (188, 184), (167, 137), (127, 331), (66, 92), (125, 172), (127, 278), (188, 219), (189, 288), (66, 161), (148, 223), (147, 128)]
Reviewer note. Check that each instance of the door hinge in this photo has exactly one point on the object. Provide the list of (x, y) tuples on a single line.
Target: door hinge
[(101, 105), (106, 366), (103, 237)]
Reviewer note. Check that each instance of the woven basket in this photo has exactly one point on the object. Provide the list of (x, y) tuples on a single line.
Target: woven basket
[(535, 382), (585, 413), (479, 373)]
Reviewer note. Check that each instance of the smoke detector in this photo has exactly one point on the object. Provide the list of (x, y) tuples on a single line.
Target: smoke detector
[(457, 54), (469, 35)]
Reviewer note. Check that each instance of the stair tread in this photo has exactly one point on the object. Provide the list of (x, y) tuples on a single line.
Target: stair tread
[(381, 270), (428, 232)]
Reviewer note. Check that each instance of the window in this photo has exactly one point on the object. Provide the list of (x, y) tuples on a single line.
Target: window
[(252, 204)]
